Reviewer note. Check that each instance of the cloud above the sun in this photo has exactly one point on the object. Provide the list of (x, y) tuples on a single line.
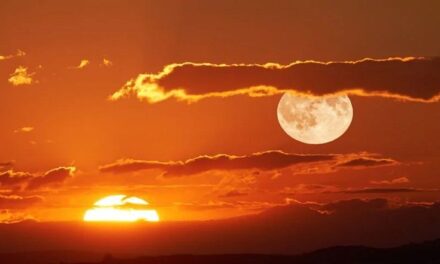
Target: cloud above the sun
[(411, 78)]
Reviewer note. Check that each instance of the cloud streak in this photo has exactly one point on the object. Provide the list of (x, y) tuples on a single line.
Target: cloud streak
[(82, 64), (385, 190), (264, 161), (19, 53), (25, 129), (52, 177), (269, 160), (400, 180), (413, 79), (30, 181), (18, 202), (363, 162), (331, 189)]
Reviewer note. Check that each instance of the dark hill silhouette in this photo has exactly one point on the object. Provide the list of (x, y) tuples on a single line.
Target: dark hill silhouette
[(420, 253), (427, 252), (49, 257)]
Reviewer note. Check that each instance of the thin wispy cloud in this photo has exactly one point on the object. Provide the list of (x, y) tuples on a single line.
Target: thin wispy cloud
[(82, 64), (19, 53)]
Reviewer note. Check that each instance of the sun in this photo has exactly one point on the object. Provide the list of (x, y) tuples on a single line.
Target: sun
[(121, 208)]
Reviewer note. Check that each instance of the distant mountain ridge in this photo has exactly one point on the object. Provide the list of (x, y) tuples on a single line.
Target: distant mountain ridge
[(420, 253)]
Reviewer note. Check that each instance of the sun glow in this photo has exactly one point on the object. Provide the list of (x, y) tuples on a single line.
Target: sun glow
[(121, 208)]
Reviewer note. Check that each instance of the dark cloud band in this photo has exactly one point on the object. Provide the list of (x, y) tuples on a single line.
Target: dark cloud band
[(263, 161), (415, 79)]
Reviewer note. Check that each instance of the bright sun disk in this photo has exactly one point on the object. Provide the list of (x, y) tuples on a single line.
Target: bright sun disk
[(121, 208)]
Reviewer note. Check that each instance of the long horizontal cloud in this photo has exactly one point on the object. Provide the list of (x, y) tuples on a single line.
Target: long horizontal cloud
[(269, 160), (220, 205), (264, 161), (18, 202), (19, 53), (13, 180), (330, 189), (10, 216), (400, 180), (367, 162), (386, 190), (415, 79)]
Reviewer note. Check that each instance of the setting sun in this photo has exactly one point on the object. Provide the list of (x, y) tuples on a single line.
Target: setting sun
[(121, 208)]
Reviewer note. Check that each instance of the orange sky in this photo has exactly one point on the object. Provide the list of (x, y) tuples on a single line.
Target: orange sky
[(60, 61)]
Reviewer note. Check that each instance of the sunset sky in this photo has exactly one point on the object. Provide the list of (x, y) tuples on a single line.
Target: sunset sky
[(176, 102)]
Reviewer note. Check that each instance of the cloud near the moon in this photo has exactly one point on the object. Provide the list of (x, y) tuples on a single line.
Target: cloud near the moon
[(414, 79), (367, 162), (268, 160), (263, 161)]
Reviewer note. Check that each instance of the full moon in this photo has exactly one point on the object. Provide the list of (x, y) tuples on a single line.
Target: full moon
[(314, 120)]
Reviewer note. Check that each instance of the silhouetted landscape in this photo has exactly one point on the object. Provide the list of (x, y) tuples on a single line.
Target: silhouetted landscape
[(426, 252)]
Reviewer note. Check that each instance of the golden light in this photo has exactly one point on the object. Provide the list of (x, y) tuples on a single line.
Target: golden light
[(121, 208)]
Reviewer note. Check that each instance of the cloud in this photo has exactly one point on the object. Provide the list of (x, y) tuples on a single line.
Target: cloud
[(386, 190), (107, 62), (233, 193), (25, 129), (331, 189), (414, 79), (82, 64), (271, 160), (19, 53), (9, 217), (268, 160), (219, 205), (29, 181), (211, 205), (6, 164), (368, 161), (309, 189), (51, 178), (14, 179), (400, 180), (18, 202), (358, 161), (355, 205), (21, 77)]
